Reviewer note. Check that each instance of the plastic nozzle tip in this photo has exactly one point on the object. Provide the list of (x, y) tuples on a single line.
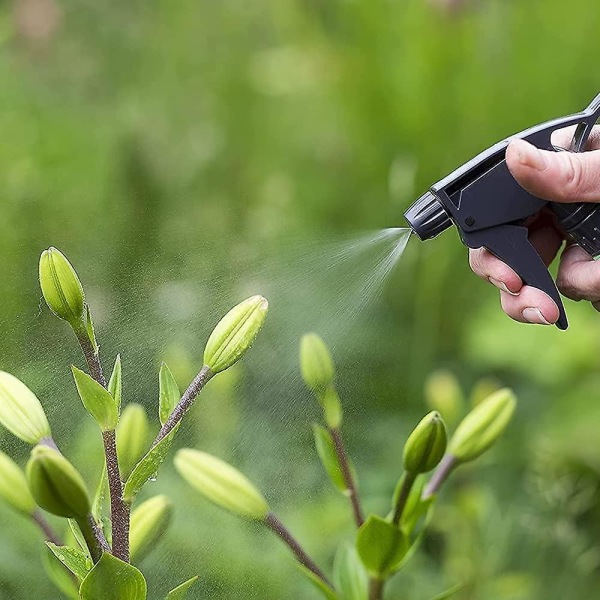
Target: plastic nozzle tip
[(427, 217)]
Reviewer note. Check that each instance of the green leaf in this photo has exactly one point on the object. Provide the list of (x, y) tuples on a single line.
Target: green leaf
[(100, 495), (349, 574), (148, 466), (115, 385), (59, 574), (169, 393), (449, 592), (76, 531), (325, 590), (89, 328), (381, 546), (326, 451), (181, 590), (113, 579), (98, 401), (75, 560)]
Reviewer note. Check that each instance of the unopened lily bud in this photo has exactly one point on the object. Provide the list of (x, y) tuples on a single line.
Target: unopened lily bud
[(482, 426), (443, 393), (132, 437), (426, 445), (149, 521), (56, 485), (13, 486), (20, 410), (61, 287), (220, 483), (316, 363), (235, 333), (318, 372)]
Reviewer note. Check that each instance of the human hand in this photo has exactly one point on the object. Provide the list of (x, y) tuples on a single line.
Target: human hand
[(559, 177)]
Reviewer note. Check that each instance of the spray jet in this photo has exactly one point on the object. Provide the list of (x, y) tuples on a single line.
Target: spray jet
[(489, 207)]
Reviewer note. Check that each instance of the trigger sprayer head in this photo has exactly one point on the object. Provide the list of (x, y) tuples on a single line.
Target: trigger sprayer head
[(427, 217)]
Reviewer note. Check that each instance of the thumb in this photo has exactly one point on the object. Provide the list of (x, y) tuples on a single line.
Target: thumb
[(555, 176)]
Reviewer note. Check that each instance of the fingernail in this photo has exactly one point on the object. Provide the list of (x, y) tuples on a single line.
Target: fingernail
[(501, 286), (530, 156), (535, 316)]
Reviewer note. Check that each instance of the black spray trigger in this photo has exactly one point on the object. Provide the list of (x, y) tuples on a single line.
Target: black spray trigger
[(512, 246)]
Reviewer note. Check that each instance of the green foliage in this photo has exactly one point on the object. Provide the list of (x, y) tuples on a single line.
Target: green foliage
[(97, 400), (169, 393), (115, 383), (381, 546), (113, 579), (75, 560), (349, 574), (180, 592), (326, 450), (147, 467)]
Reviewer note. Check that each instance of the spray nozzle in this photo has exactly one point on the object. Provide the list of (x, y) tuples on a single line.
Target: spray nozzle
[(427, 217), (490, 209)]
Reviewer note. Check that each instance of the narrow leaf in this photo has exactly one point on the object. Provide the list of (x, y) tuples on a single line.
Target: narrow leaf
[(76, 531), (169, 393), (349, 574), (181, 590), (98, 401), (115, 385), (318, 583), (449, 592), (75, 560), (380, 545), (59, 574), (326, 451), (100, 495), (113, 579), (148, 466)]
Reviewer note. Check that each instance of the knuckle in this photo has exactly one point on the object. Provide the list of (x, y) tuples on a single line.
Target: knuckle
[(574, 176), (568, 286)]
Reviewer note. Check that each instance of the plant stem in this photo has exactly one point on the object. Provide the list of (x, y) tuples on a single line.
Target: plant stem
[(51, 536), (342, 456), (119, 511), (91, 357), (446, 466), (90, 535), (185, 403), (275, 525), (376, 589), (408, 480)]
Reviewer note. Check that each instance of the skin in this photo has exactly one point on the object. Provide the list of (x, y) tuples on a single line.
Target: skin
[(560, 177)]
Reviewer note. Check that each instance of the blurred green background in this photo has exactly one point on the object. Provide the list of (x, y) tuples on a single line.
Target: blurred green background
[(185, 154)]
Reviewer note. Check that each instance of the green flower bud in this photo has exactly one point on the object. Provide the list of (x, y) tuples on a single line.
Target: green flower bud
[(20, 410), (482, 426), (426, 445), (132, 437), (61, 287), (443, 393), (220, 483), (235, 333), (13, 486), (316, 363), (318, 372), (56, 485), (149, 521)]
